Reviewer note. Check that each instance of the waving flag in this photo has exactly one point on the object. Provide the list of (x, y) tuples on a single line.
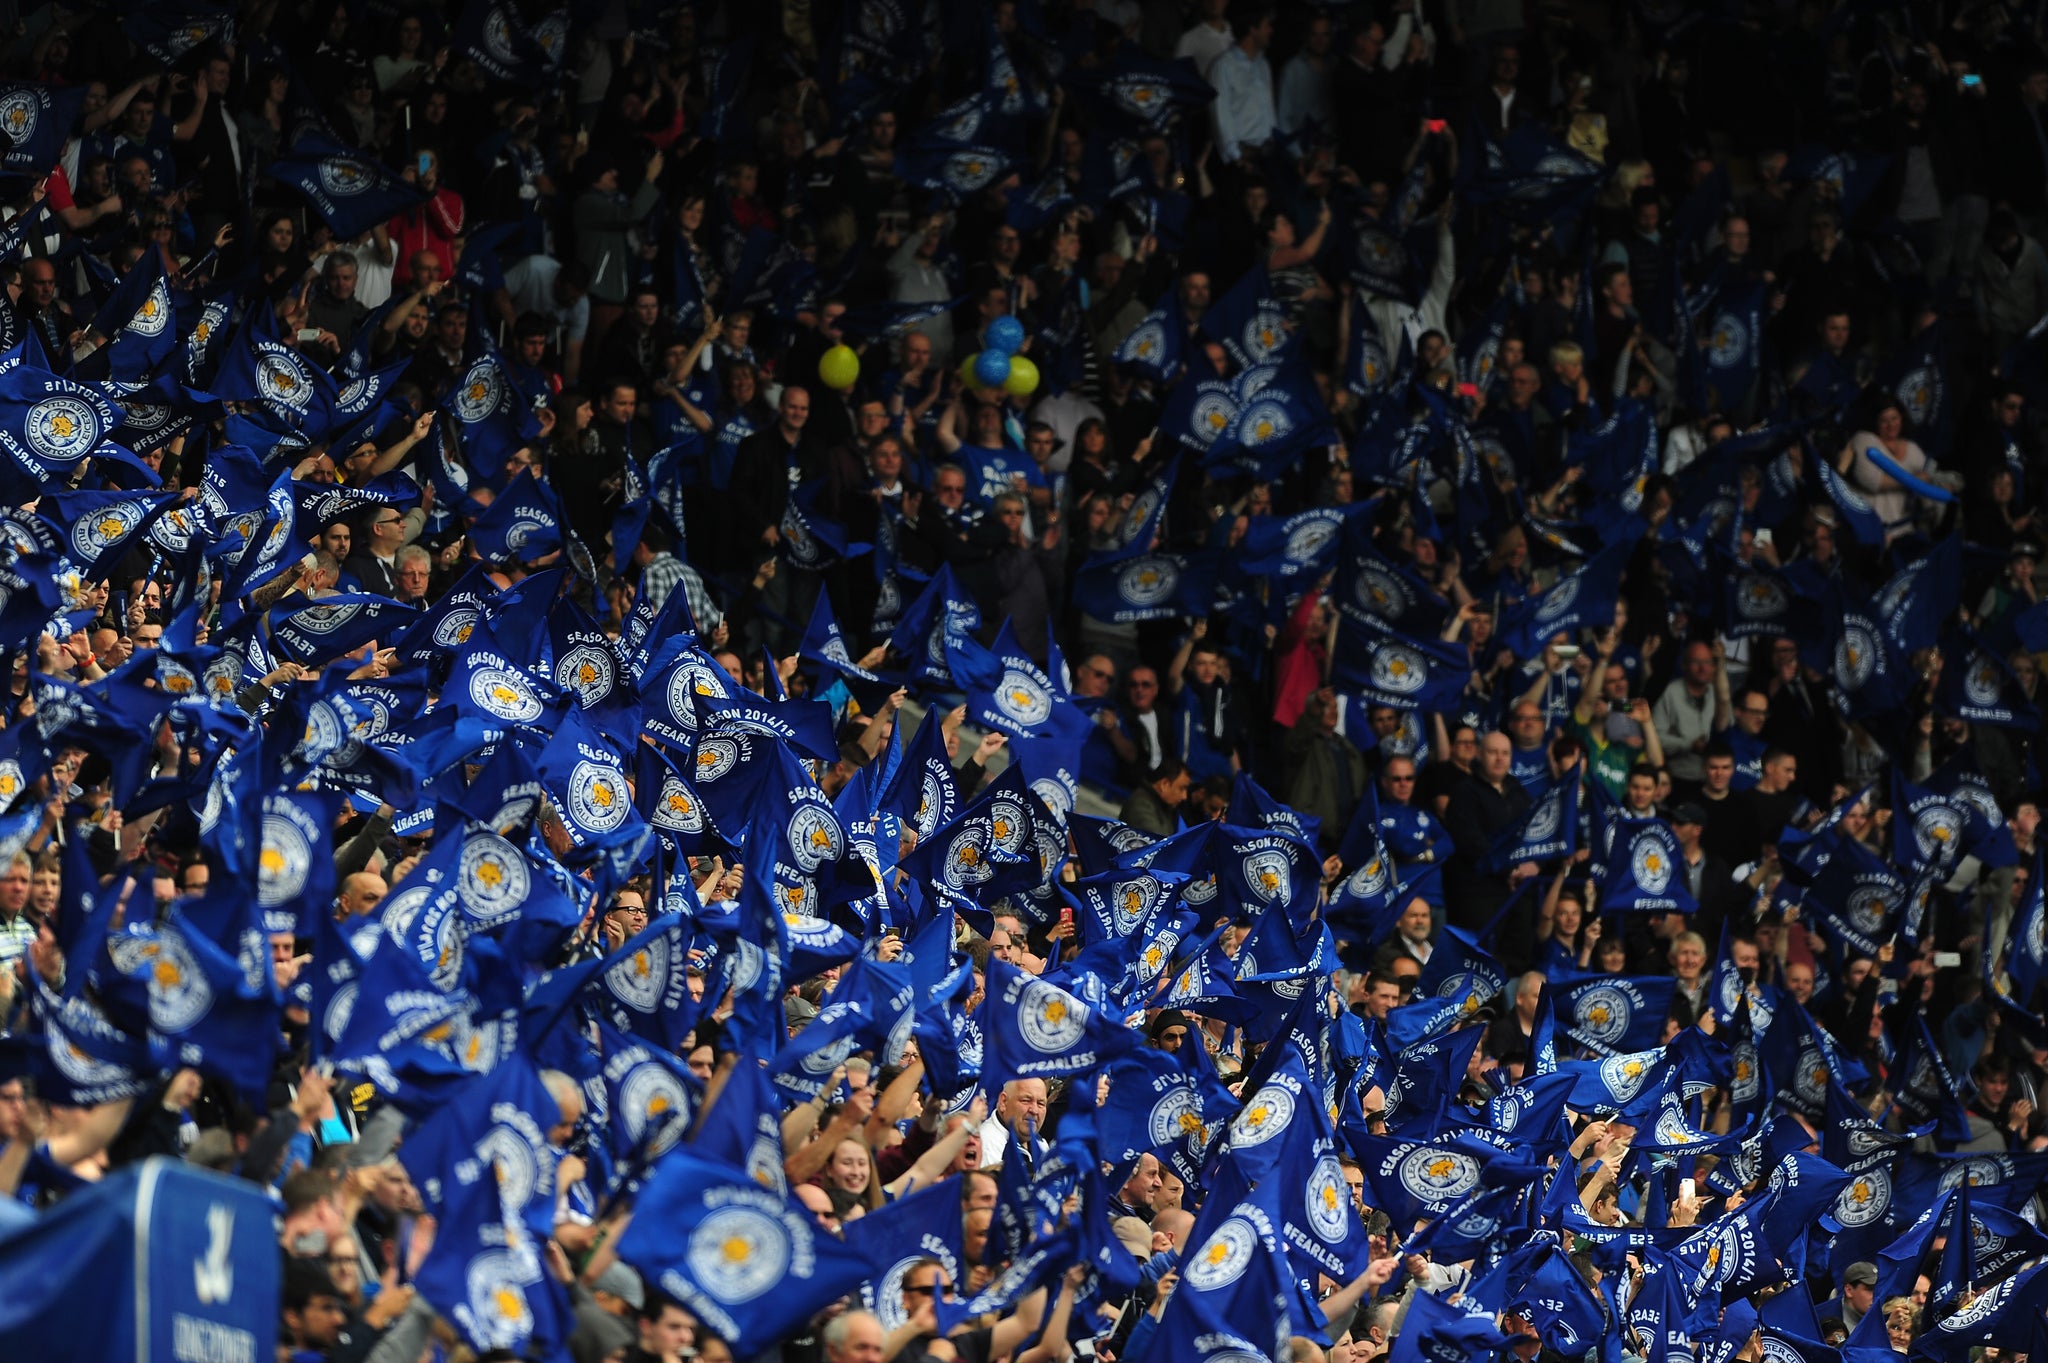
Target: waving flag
[(913, 1230), (485, 1272), (141, 308), (1388, 667), (48, 424), (1918, 377), (1280, 417), (1548, 831), (1614, 1014), (1153, 349), (207, 1007), (1979, 686), (1139, 91), (745, 1260), (37, 119), (1645, 870), (1436, 1331), (1146, 587), (1249, 322), (1233, 1287), (350, 191), (1303, 544), (1038, 1030), (524, 523), (258, 367), (490, 412), (1007, 692), (101, 527), (1394, 592), (1927, 829), (1583, 600)]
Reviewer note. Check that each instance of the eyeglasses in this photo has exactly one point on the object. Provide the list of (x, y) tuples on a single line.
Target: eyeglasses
[(920, 1291)]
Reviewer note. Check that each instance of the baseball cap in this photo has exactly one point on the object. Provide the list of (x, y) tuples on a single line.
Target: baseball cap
[(623, 1283), (1861, 1273), (1688, 813)]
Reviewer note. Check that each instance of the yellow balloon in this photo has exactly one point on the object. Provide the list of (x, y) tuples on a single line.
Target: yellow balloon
[(1023, 380), (839, 367)]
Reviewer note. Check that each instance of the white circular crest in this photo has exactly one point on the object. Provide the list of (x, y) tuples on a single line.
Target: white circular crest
[(1369, 880), (62, 429), (638, 980), (1399, 669), (1022, 699), (1269, 1113), (1937, 832), (1148, 581), (1173, 1113), (20, 111), (815, 837), (717, 756), (597, 796), (1603, 1013), (1649, 861), (1264, 423), (588, 671), (282, 865), (1329, 1201), (497, 1300), (1050, 1019), (676, 807), (1729, 343), (492, 877), (738, 1253), (1268, 875), (652, 1101), (506, 694), (343, 178), (1223, 1259), (1867, 1198), (1437, 1174), (1624, 1075), (1557, 600), (1758, 597), (179, 994), (481, 392)]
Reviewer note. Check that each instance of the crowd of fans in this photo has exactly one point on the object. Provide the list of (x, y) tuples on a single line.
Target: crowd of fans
[(1787, 277)]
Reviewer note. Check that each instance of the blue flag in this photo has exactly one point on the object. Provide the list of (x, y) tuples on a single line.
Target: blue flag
[(1584, 599), (1388, 667), (1146, 587), (1645, 870), (350, 191), (1153, 348), (1038, 1030), (37, 119), (1249, 321), (745, 1260), (1614, 1014)]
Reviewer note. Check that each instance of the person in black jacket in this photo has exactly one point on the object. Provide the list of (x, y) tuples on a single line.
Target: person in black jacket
[(1486, 803)]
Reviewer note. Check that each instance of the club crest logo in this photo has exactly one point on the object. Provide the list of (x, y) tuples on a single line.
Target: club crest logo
[(20, 111), (597, 796), (1937, 832), (1728, 346), (1398, 670), (1269, 1113), (1173, 1115), (499, 1314), (1650, 862), (62, 430), (691, 681), (1268, 876), (505, 694), (1051, 1019), (1867, 1198), (179, 994), (492, 876), (1224, 1258), (654, 1106), (344, 179), (1558, 600), (1370, 880), (1434, 1174), (1625, 1075), (1983, 683), (1145, 345), (282, 380), (588, 671), (1149, 581), (1329, 1201), (1212, 416), (1758, 597), (1023, 699), (1265, 423), (1603, 1014), (282, 865), (639, 979), (815, 837), (104, 529), (1008, 826)]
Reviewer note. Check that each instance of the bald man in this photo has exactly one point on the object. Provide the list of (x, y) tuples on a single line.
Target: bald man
[(361, 893), (1485, 804), (1020, 1112)]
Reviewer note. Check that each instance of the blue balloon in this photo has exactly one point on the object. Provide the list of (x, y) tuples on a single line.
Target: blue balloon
[(992, 367), (1006, 335)]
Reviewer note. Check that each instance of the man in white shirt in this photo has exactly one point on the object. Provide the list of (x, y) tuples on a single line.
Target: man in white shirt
[(1245, 116), (1020, 1112), (1208, 39)]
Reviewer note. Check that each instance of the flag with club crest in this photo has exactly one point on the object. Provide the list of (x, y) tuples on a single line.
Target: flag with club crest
[(1250, 321), (351, 191), (747, 1261), (1388, 667), (37, 120), (1153, 348), (1645, 870), (1037, 1030)]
